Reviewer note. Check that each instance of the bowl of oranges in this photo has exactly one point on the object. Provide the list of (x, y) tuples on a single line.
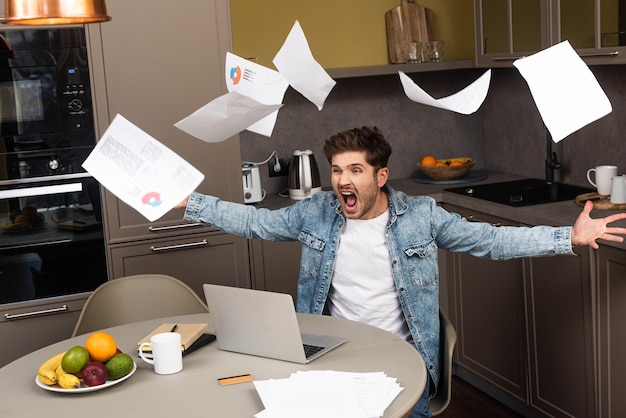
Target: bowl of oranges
[(447, 168)]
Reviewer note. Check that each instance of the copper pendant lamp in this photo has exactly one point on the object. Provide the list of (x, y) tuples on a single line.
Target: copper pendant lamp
[(55, 12)]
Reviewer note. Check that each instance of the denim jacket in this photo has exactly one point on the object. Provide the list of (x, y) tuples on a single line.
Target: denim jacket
[(417, 227)]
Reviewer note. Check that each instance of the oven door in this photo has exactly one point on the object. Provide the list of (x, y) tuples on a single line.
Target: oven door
[(51, 237)]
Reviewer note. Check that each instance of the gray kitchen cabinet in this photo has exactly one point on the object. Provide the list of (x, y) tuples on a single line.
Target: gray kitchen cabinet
[(489, 315), (194, 259), (155, 65), (612, 334), (275, 265), (560, 323), (507, 30), (511, 29), (525, 327), (29, 326)]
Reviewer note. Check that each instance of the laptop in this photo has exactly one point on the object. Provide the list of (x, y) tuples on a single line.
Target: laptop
[(262, 324)]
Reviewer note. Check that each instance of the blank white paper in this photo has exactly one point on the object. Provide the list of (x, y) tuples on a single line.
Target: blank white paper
[(295, 62), (224, 117), (566, 92), (466, 101)]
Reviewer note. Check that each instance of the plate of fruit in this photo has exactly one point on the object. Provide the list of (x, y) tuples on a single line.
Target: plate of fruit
[(97, 365)]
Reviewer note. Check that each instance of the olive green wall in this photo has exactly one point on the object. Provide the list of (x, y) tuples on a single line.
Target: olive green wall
[(345, 33)]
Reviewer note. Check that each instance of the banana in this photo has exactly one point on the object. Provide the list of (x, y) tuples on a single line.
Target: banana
[(47, 370), (462, 160), (67, 380)]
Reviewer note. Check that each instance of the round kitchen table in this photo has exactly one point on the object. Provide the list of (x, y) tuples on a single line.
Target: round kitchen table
[(195, 390)]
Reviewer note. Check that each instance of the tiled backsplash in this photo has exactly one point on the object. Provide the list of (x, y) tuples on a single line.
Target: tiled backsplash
[(506, 134)]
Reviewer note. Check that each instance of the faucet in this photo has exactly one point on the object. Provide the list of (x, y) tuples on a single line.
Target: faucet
[(552, 162)]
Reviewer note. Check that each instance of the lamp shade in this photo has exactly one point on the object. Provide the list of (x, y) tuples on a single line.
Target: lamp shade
[(54, 12)]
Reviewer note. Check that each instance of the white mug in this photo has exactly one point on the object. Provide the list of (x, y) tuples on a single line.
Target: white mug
[(603, 176), (167, 353), (618, 189)]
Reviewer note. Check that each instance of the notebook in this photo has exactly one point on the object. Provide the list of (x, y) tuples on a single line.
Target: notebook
[(262, 324)]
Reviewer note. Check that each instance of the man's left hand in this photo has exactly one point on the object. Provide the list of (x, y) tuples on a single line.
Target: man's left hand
[(587, 230)]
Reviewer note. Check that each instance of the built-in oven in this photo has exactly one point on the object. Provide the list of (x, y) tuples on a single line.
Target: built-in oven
[(51, 235)]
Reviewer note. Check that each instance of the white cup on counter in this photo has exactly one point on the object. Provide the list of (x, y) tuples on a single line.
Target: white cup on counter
[(618, 189), (167, 353), (603, 178)]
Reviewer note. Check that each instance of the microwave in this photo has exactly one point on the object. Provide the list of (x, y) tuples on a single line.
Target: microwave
[(46, 110)]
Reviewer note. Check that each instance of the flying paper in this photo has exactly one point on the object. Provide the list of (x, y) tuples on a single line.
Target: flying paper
[(466, 101), (224, 117), (140, 171), (565, 91), (295, 62), (260, 83)]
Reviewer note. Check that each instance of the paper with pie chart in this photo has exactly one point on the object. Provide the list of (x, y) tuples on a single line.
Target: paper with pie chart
[(260, 83), (141, 171)]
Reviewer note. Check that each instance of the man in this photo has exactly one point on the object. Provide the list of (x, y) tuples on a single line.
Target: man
[(369, 253)]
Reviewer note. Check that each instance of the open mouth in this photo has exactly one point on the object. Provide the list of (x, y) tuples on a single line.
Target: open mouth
[(349, 200)]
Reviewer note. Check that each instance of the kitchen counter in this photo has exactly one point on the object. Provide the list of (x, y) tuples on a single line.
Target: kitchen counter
[(557, 213)]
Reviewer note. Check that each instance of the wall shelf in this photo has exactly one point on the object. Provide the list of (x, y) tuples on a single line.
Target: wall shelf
[(374, 70)]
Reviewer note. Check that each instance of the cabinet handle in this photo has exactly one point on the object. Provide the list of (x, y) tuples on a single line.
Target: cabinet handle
[(601, 54), (47, 179), (35, 313), (472, 218), (505, 58), (38, 244), (590, 55), (180, 246), (41, 190), (170, 227)]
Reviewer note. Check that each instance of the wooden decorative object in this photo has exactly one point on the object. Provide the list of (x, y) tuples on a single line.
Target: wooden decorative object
[(408, 22), (599, 201)]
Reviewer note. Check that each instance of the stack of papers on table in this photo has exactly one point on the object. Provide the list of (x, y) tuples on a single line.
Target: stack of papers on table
[(327, 394)]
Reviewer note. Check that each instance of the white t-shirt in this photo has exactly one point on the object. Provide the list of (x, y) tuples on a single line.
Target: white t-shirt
[(362, 288)]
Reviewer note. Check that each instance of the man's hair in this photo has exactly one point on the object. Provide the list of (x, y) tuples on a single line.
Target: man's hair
[(371, 140)]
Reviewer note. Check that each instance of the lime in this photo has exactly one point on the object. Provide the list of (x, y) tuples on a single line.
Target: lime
[(75, 359), (119, 366)]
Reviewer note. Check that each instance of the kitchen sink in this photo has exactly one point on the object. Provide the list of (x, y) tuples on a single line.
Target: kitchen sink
[(522, 192)]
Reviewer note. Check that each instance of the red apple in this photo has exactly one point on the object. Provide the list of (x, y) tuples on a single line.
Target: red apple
[(95, 374)]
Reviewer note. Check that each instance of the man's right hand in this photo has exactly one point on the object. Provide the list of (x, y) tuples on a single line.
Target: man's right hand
[(182, 204)]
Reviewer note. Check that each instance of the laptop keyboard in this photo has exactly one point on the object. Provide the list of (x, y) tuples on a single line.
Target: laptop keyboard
[(310, 350)]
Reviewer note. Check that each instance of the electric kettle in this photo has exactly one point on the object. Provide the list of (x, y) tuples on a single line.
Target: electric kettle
[(304, 176)]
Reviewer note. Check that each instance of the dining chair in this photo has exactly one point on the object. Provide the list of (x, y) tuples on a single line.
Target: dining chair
[(444, 391), (137, 298)]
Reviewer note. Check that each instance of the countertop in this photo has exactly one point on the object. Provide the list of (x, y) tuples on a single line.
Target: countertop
[(555, 214)]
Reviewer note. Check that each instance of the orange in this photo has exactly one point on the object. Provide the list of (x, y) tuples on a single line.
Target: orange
[(101, 346), (455, 162), (429, 160)]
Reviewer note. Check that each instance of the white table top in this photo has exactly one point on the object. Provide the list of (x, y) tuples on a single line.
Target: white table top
[(194, 391)]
